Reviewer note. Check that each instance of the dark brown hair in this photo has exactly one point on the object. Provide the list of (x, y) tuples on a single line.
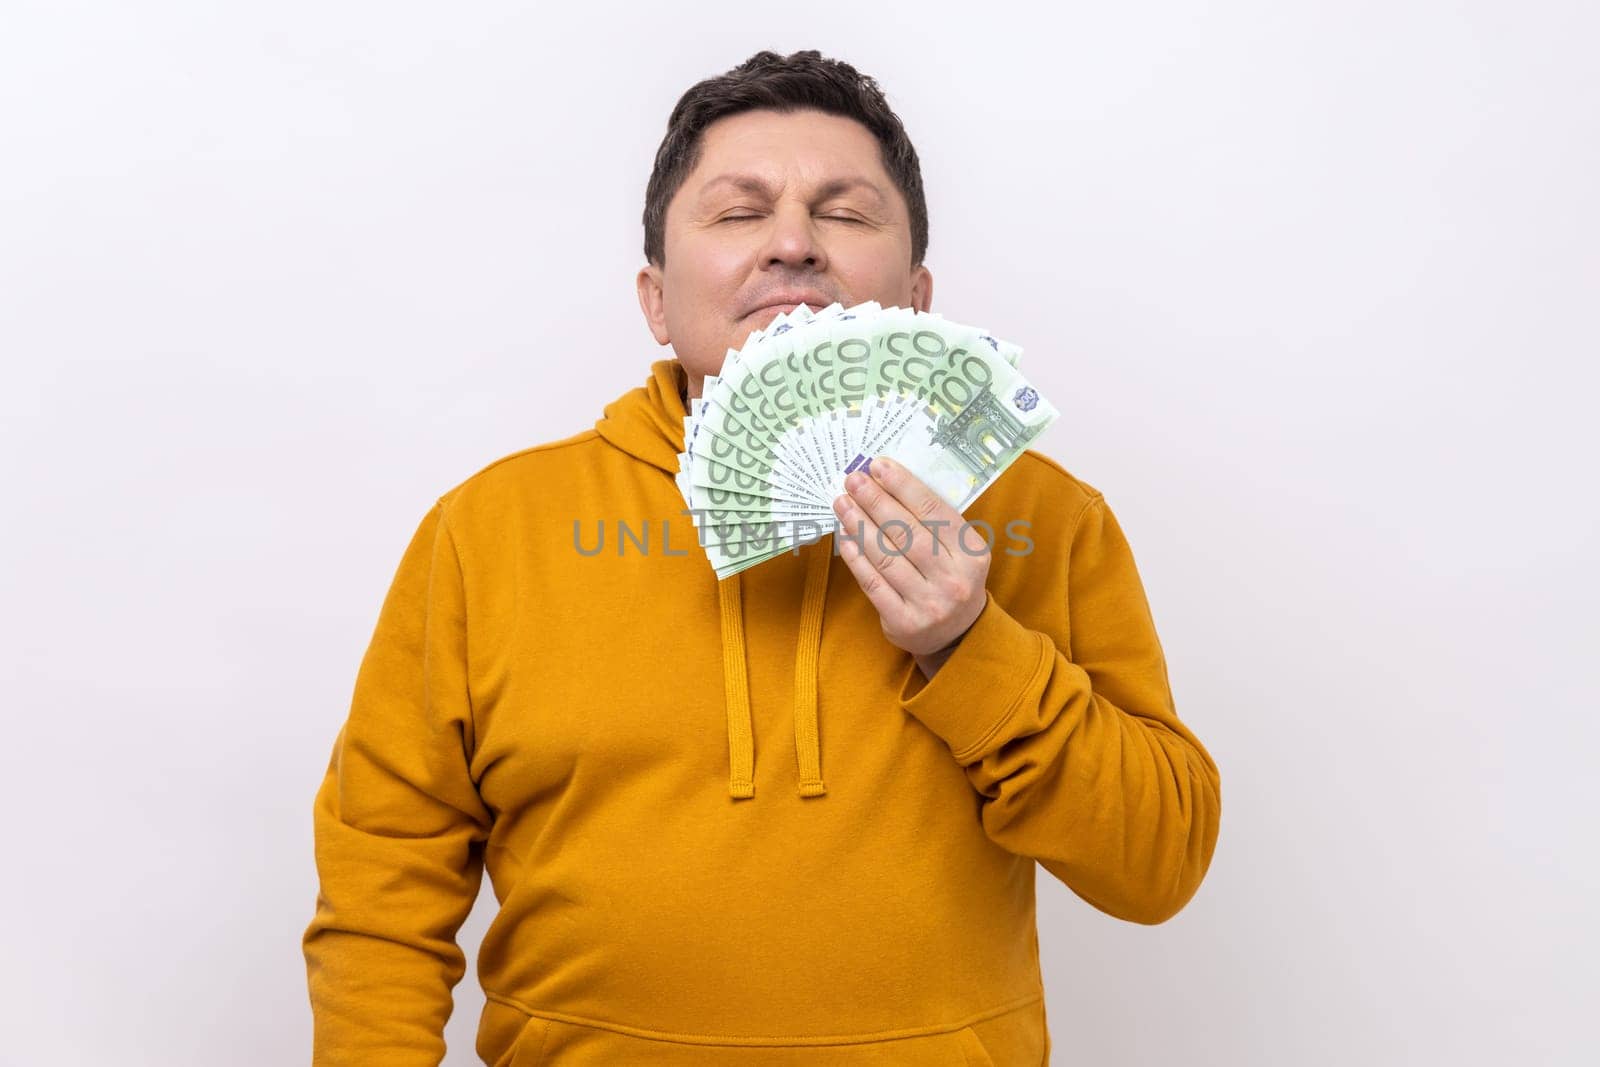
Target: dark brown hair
[(781, 83)]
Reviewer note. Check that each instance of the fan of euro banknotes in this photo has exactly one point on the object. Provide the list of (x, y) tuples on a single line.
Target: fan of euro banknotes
[(816, 395)]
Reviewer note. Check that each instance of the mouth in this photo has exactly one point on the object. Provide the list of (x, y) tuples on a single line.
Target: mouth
[(772, 311), (785, 308)]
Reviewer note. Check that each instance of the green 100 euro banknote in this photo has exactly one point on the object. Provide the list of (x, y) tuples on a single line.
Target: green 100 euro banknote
[(814, 396)]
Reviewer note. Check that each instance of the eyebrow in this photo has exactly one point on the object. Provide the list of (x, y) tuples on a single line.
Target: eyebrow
[(752, 184)]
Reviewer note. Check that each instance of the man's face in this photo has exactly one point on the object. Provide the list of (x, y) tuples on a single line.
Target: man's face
[(781, 209)]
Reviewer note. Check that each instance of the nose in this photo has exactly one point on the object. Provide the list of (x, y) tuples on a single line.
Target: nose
[(792, 239)]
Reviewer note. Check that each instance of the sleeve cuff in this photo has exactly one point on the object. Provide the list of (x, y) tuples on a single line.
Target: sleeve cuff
[(967, 700)]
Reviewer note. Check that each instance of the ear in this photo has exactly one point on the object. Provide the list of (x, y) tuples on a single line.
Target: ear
[(922, 288), (652, 301)]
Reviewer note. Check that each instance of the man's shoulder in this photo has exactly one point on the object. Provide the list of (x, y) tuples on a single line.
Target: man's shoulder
[(1034, 476), (532, 465), (1039, 492)]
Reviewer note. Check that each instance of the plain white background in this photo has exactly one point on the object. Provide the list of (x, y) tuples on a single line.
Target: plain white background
[(1314, 285)]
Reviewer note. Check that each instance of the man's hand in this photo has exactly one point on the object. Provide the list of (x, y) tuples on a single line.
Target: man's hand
[(928, 586)]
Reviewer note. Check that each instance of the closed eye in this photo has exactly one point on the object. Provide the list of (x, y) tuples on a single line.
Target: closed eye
[(830, 218)]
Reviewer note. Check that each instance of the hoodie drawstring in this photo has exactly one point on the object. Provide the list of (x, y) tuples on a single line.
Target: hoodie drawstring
[(741, 745), (736, 683), (807, 743)]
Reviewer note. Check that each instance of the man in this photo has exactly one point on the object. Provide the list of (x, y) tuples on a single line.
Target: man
[(585, 724)]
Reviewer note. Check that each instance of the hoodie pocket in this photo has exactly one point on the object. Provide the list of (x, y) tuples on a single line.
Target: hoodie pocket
[(511, 1037), (972, 1047), (508, 1037), (556, 1043)]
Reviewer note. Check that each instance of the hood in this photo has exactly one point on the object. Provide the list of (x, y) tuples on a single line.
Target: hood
[(647, 423)]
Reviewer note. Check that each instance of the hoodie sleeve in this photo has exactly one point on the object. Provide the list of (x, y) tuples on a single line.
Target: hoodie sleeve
[(399, 828), (1078, 754)]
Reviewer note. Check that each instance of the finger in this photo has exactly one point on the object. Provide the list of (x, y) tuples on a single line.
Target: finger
[(876, 548), (923, 505), (903, 535), (880, 591)]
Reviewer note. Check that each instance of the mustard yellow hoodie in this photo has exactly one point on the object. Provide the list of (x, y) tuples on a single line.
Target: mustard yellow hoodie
[(730, 823)]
